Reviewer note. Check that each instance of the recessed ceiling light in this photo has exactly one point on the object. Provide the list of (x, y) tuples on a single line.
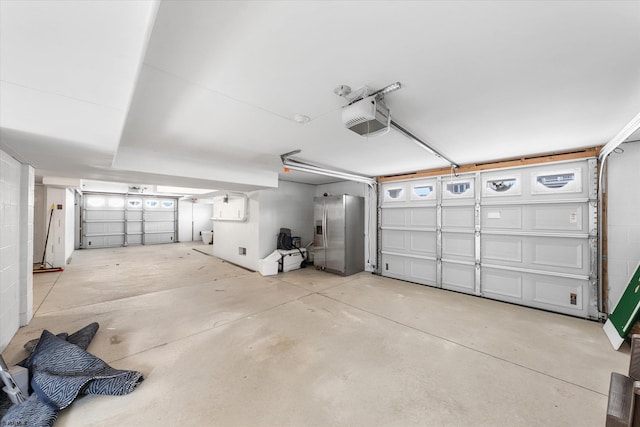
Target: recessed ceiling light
[(301, 118)]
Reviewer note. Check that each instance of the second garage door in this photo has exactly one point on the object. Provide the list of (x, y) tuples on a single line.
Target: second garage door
[(110, 220)]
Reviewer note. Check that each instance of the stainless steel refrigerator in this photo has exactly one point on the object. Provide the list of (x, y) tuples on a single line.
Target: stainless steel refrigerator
[(338, 243)]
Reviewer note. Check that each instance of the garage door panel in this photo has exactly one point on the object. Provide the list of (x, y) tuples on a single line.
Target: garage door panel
[(134, 227), (553, 254), (159, 216), (134, 215), (422, 242), (104, 228), (569, 254), (104, 241), (394, 240), (155, 238), (134, 239), (104, 215), (458, 277), (411, 242), (458, 217), (502, 285), (154, 227), (459, 246), (502, 217), (393, 218), (563, 217), (497, 248), (557, 293), (409, 217), (422, 217), (416, 270), (424, 270)]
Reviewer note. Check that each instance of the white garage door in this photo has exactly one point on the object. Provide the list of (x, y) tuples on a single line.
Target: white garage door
[(110, 220), (523, 235)]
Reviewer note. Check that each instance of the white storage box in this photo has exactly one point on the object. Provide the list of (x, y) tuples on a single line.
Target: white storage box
[(268, 266), (291, 259)]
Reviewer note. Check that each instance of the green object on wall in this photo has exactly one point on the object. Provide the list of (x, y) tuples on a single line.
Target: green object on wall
[(624, 316)]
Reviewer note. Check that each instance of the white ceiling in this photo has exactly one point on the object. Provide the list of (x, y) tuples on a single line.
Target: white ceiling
[(203, 93)]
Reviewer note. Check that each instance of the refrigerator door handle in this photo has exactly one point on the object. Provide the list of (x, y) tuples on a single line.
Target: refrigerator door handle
[(324, 225)]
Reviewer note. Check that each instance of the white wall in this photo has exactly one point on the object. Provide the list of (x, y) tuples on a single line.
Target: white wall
[(40, 219), (56, 245), (623, 219), (185, 214), (345, 187), (370, 209), (26, 243), (228, 236), (289, 206), (61, 243), (69, 224), (16, 253)]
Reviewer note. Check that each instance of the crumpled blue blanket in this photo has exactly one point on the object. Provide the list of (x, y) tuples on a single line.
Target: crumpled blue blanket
[(60, 371)]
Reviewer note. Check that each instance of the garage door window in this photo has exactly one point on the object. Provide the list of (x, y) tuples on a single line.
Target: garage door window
[(115, 203), (394, 194), (95, 202), (567, 181), (423, 191), (458, 189), (499, 186)]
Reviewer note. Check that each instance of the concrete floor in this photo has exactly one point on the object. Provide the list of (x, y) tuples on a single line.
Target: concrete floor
[(222, 346)]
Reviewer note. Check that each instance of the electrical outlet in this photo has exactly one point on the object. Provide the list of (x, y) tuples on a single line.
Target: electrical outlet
[(242, 251), (573, 298)]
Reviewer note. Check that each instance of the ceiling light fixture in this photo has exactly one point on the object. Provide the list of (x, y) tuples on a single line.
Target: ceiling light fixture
[(301, 118)]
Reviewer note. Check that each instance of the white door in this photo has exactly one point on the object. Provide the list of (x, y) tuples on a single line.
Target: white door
[(522, 235)]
